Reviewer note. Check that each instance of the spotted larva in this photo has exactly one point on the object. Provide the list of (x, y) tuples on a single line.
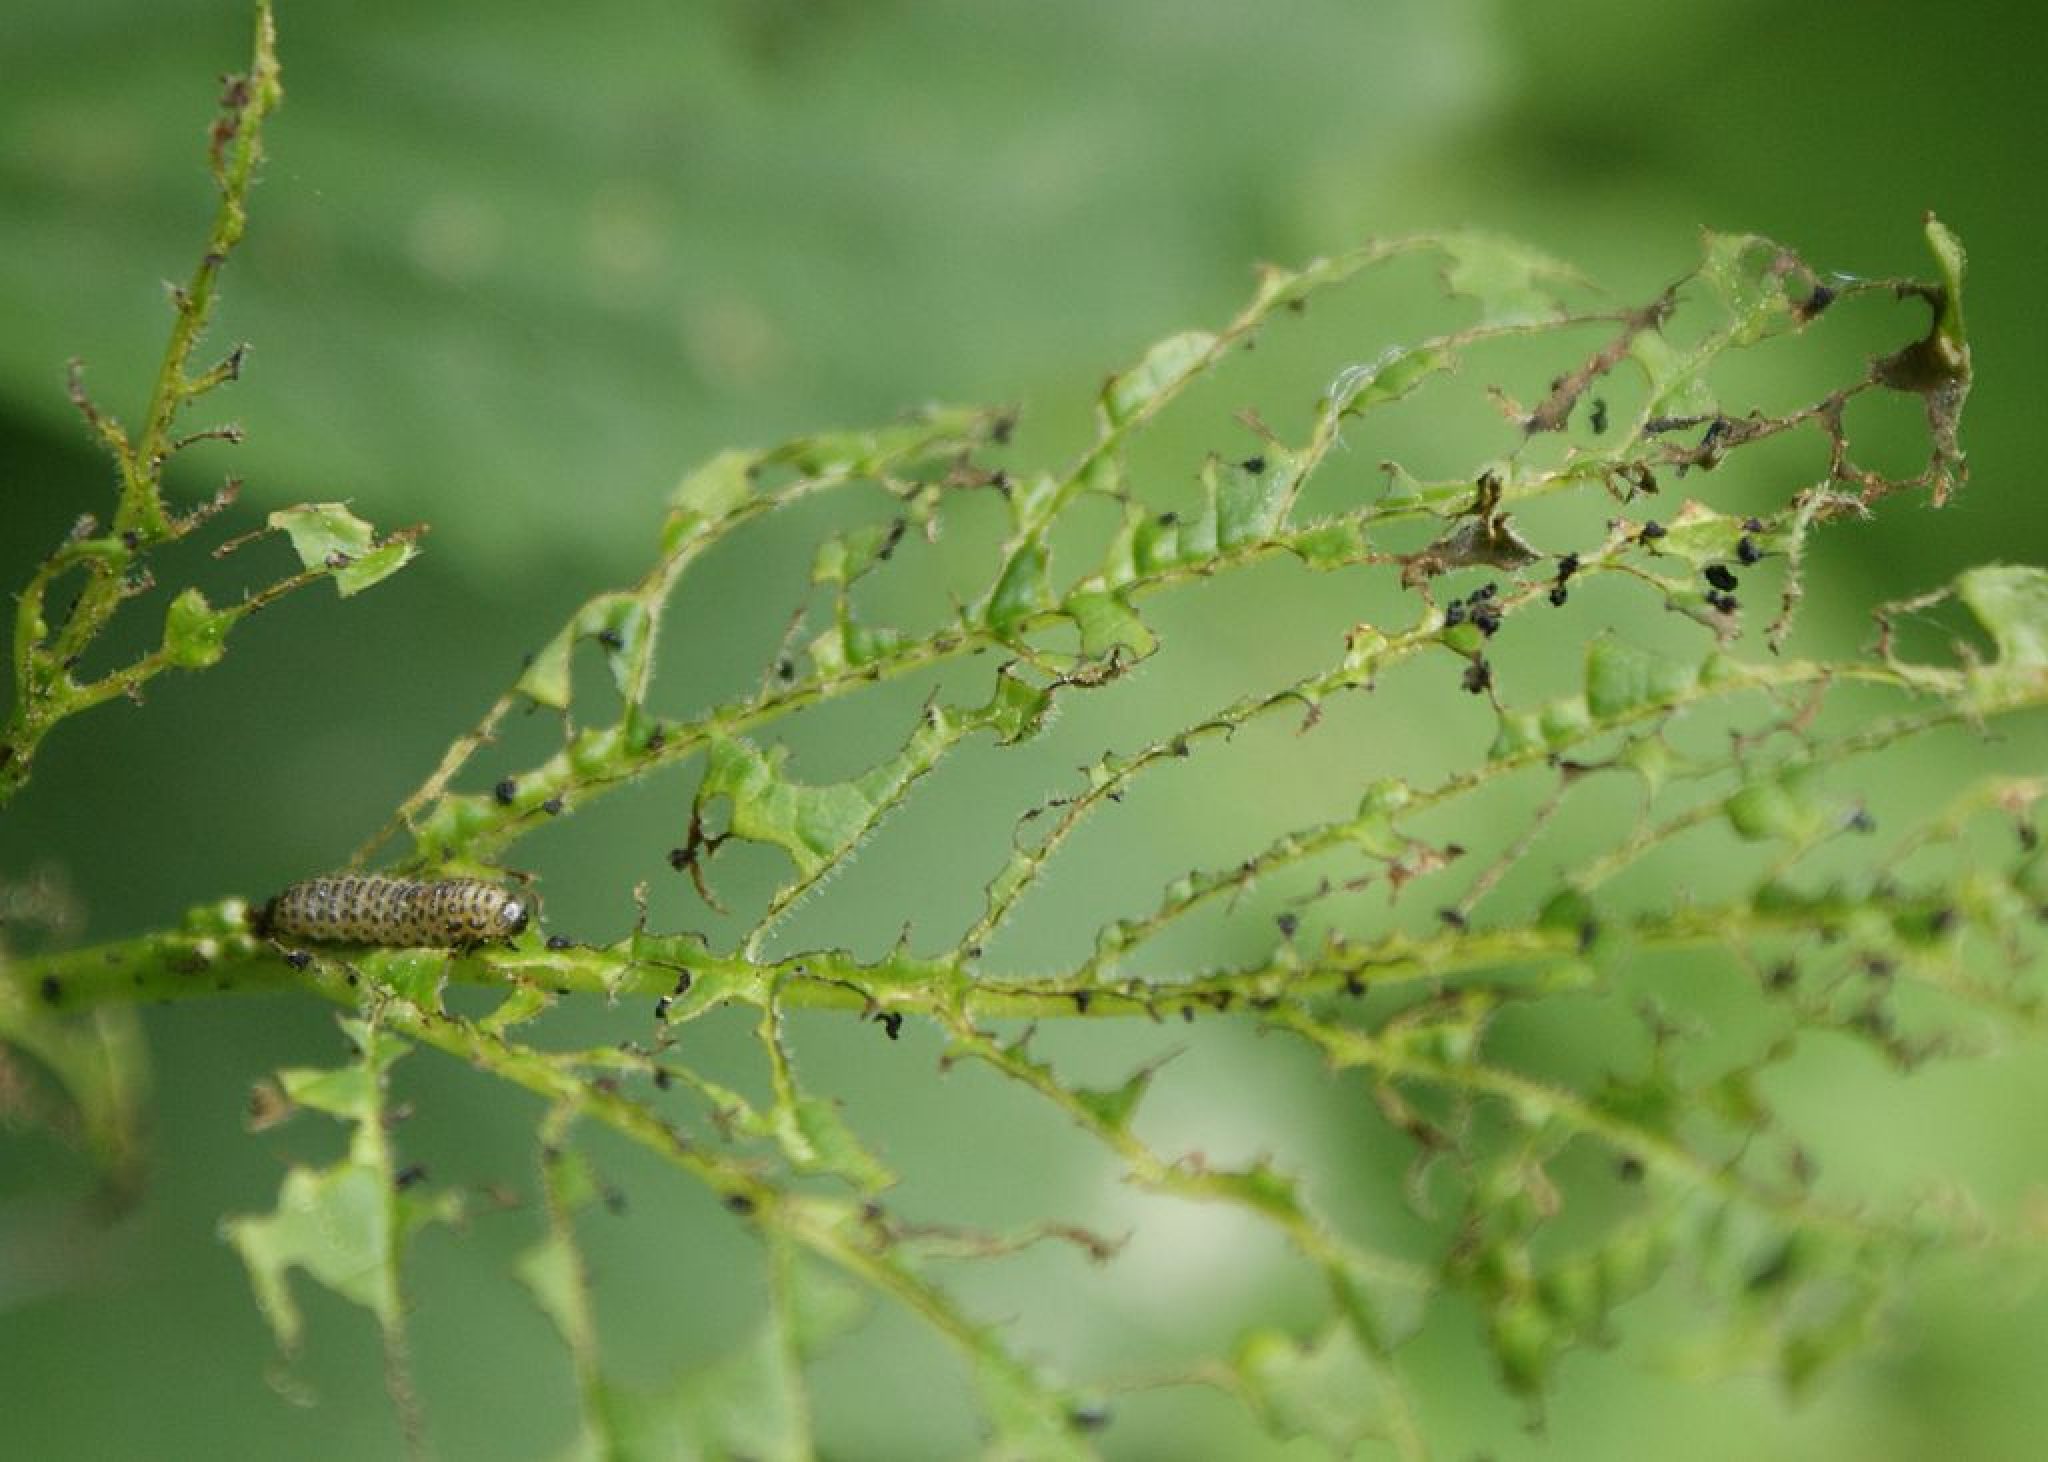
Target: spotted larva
[(402, 913)]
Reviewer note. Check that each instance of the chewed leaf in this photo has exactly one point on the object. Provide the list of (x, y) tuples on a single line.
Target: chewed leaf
[(328, 535), (1621, 679), (807, 822), (746, 1404), (345, 1224), (1775, 807), (1115, 1107), (1394, 375), (618, 623), (1512, 282), (1950, 259), (929, 435), (1248, 499), (195, 633), (334, 1223), (2011, 602), (713, 490), (1166, 367), (1028, 1419), (1328, 1389), (1107, 624), (1751, 275), (552, 1271), (818, 1140), (1024, 589)]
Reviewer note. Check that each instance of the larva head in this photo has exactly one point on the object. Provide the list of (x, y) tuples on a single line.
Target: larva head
[(513, 917)]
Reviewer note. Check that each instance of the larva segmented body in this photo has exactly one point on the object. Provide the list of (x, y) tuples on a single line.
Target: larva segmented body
[(402, 913)]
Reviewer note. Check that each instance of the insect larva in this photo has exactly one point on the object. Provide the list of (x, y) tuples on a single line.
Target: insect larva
[(402, 913)]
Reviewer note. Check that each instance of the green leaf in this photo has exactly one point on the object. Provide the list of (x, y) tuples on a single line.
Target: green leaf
[(1166, 366), (328, 535), (816, 825), (1246, 506), (1029, 1420), (345, 1224), (619, 623), (1514, 284), (817, 1139), (849, 644), (1951, 261), (1776, 807), (1527, 1342), (933, 434), (552, 1272), (1621, 679), (1017, 710), (1024, 589), (743, 1405), (1394, 375), (1114, 1107), (195, 633), (1327, 1389), (1746, 271), (1676, 387), (335, 1224), (2011, 602), (1107, 622), (712, 491), (1333, 544), (351, 1092)]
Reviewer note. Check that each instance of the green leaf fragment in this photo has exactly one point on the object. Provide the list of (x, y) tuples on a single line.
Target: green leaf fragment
[(849, 644), (1514, 284), (195, 633), (2011, 602), (1951, 262), (1165, 368), (1108, 623), (1016, 710), (333, 1223), (552, 1272), (1024, 589), (744, 1405), (816, 824), (711, 492), (1394, 375), (520, 1005), (1246, 505), (1676, 386), (345, 1224), (1327, 1389), (1526, 1341), (1776, 807), (1621, 679), (1333, 544), (933, 434), (1029, 1421), (328, 535), (619, 623), (1114, 1107), (817, 1139), (1749, 274)]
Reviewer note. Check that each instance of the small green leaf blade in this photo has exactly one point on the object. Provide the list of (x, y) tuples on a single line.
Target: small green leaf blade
[(328, 535), (195, 633), (1165, 368)]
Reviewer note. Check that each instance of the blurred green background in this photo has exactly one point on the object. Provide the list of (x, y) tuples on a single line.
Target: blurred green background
[(513, 267)]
